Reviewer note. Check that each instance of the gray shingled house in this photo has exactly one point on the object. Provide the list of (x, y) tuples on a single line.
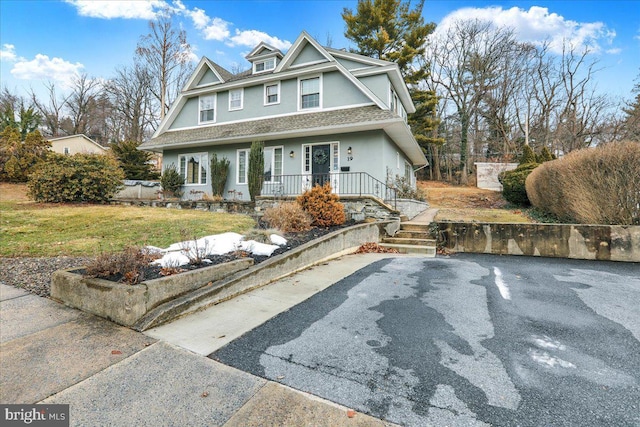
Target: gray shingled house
[(324, 115)]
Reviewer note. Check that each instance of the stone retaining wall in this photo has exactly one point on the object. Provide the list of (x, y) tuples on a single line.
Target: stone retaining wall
[(601, 242)]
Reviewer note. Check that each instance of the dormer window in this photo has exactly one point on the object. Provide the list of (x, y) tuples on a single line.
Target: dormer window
[(266, 65)]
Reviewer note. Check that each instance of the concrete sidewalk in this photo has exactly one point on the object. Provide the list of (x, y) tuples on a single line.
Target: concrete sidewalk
[(111, 375)]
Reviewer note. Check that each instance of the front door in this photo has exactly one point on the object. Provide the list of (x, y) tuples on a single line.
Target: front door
[(320, 164)]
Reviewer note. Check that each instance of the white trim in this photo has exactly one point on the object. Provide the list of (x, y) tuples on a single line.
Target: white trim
[(273, 162), (262, 45), (246, 166), (201, 155), (215, 109), (308, 64), (264, 61), (273, 116), (198, 73), (296, 48), (241, 90), (356, 57), (265, 100), (334, 165), (320, 92)]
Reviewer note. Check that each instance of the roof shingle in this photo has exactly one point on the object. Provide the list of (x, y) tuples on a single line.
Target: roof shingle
[(255, 128)]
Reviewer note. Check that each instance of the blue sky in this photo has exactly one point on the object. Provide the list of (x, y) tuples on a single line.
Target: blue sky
[(49, 41)]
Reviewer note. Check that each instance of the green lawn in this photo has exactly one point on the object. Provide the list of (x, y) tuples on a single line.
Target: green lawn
[(30, 229)]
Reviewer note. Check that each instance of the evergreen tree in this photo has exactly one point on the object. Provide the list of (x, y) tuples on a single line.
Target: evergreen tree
[(255, 174), (134, 162), (18, 158), (389, 30)]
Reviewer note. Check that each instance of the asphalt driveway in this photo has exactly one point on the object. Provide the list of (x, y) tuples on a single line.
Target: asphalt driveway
[(465, 340)]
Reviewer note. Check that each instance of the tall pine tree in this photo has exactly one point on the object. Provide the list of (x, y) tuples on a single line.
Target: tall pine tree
[(390, 30)]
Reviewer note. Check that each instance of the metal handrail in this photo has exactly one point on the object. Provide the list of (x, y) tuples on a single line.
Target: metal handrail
[(343, 183)]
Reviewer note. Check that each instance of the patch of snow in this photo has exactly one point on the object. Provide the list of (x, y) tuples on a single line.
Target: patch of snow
[(172, 259), (258, 248), (546, 342), (545, 358), (278, 240), (502, 286), (179, 253)]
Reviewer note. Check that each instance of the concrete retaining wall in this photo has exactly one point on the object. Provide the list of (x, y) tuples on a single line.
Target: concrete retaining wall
[(136, 189), (602, 242), (126, 304), (487, 174)]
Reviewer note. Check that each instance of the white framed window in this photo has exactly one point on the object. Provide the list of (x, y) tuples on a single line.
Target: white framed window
[(236, 97), (273, 164), (207, 109), (310, 93), (272, 93), (66, 151), (193, 168), (266, 65), (242, 170), (408, 172)]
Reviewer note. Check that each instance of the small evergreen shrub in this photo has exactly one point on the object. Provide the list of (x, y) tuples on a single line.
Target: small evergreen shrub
[(528, 156), (134, 162), (513, 184), (79, 178), (287, 217), (544, 156), (171, 181), (19, 158), (323, 206), (219, 173), (255, 173)]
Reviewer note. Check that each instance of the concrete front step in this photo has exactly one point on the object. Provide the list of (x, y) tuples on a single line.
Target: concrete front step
[(409, 241), (406, 234), (409, 226), (428, 251)]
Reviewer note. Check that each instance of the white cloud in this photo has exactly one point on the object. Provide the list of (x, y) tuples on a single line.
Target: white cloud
[(252, 38), (44, 68), (8, 53), (537, 25), (110, 9)]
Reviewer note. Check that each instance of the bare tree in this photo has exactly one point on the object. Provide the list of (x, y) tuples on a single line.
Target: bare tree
[(82, 106), (131, 98), (53, 112), (473, 66), (166, 53)]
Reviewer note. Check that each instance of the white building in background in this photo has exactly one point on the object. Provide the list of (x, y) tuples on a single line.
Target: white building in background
[(74, 144)]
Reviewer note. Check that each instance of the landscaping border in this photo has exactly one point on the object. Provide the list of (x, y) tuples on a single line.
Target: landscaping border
[(157, 301)]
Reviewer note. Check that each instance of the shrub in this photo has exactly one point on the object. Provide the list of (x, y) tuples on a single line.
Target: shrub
[(287, 217), (528, 156), (255, 174), (544, 156), (323, 206), (171, 181), (77, 178), (129, 264), (513, 184), (219, 173), (134, 162), (20, 158), (404, 190), (591, 186)]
